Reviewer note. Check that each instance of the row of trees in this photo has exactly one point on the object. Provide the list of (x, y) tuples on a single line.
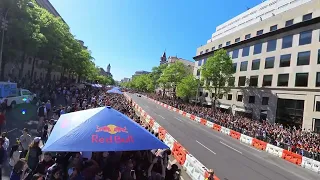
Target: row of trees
[(215, 75), (33, 31)]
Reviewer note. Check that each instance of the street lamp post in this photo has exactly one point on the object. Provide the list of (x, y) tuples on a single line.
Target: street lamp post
[(4, 27)]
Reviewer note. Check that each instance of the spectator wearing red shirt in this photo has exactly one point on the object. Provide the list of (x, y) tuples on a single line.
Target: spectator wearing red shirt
[(2, 120)]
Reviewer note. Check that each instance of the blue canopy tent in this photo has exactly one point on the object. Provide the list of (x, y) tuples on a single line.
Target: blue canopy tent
[(98, 130), (114, 90)]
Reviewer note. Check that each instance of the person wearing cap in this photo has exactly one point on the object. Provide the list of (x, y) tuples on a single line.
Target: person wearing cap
[(34, 153)]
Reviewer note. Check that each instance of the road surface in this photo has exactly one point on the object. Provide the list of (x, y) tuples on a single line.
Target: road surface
[(230, 159)]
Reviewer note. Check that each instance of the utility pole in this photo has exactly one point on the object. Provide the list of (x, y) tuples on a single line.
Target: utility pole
[(4, 27)]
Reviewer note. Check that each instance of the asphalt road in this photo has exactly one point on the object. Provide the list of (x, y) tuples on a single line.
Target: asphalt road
[(230, 159)]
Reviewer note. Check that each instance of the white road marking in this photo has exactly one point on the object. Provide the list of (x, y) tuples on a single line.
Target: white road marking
[(161, 116), (206, 147), (178, 119), (231, 147)]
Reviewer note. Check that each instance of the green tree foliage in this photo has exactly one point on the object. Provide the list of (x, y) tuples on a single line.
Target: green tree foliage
[(216, 73), (188, 87), (142, 83), (33, 31), (172, 75)]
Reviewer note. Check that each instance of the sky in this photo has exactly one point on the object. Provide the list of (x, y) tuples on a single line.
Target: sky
[(132, 35)]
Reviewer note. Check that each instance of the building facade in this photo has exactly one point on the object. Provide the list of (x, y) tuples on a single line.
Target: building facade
[(275, 48), (187, 63)]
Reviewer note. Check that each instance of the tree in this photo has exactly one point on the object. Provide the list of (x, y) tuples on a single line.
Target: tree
[(188, 87), (156, 73), (216, 73), (172, 75)]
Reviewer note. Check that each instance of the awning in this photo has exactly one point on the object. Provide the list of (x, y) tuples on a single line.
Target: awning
[(224, 106), (243, 110)]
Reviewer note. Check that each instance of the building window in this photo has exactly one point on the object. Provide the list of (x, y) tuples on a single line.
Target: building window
[(255, 64), (303, 58), (307, 17), (213, 48), (235, 53), (289, 22), (198, 72), (257, 48), (283, 79), (237, 40), (267, 80), (231, 81), (260, 32), (285, 60), (248, 36), (229, 97), (287, 41), (228, 43), (207, 50), (252, 99), (253, 81), (305, 37), (220, 46), (318, 56), (274, 27), (269, 63), (318, 79), (318, 108), (199, 62), (201, 52), (245, 51), (265, 101), (234, 67), (239, 98), (272, 45), (242, 81), (302, 80), (204, 61), (244, 66)]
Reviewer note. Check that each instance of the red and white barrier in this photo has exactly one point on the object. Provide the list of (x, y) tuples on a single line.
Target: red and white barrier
[(195, 169), (297, 159)]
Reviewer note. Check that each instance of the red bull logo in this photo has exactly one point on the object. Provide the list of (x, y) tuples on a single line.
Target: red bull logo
[(113, 138)]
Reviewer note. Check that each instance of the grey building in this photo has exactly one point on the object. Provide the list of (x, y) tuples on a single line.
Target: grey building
[(275, 48)]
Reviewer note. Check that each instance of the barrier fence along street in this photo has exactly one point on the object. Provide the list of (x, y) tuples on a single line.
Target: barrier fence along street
[(289, 156), (195, 169)]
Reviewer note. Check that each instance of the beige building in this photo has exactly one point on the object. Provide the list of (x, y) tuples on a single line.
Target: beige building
[(187, 63), (275, 48)]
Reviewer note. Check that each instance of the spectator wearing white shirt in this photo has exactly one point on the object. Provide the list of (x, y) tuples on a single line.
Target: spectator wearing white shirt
[(25, 140), (6, 141)]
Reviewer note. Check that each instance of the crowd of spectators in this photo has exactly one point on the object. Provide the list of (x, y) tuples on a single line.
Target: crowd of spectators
[(29, 162), (300, 141)]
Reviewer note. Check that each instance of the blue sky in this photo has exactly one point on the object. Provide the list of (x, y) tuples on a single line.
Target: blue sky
[(131, 35)]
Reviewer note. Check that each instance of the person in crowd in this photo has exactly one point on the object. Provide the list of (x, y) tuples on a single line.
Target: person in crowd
[(20, 171), (211, 175), (6, 140), (2, 120), (34, 153), (14, 155), (42, 113), (25, 140), (44, 165), (2, 155), (48, 108)]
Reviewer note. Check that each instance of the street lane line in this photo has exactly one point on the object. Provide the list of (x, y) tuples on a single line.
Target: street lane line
[(231, 147), (161, 116), (206, 147), (178, 119)]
